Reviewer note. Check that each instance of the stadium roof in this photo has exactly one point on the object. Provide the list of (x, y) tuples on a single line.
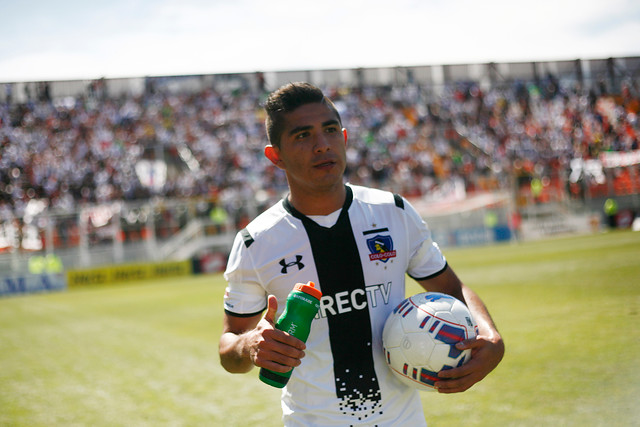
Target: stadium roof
[(41, 40)]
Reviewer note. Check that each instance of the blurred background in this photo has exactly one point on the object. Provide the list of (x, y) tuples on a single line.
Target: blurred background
[(133, 133)]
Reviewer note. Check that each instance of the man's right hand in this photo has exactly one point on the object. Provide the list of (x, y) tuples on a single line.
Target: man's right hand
[(248, 341)]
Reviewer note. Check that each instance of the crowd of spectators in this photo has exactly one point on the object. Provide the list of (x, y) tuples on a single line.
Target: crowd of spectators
[(87, 150)]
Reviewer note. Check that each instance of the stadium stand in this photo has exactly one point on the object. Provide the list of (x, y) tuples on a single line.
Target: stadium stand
[(538, 135)]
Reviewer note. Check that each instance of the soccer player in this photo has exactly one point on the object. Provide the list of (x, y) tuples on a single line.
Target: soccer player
[(356, 244)]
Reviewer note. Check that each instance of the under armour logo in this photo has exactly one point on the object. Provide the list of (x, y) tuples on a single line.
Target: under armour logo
[(285, 265)]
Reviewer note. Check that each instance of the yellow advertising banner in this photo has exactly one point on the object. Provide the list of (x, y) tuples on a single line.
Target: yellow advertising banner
[(127, 272)]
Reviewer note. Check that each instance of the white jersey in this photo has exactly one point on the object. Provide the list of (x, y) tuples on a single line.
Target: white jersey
[(359, 264)]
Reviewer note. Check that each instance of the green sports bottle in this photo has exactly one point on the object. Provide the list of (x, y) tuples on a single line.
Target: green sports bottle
[(302, 306)]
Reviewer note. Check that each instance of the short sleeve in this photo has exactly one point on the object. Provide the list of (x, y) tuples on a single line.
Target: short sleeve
[(244, 296), (427, 260)]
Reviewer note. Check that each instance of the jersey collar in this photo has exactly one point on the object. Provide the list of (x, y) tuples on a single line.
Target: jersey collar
[(345, 207)]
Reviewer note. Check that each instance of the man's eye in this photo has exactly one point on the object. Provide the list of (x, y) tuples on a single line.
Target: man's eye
[(331, 129), (302, 135)]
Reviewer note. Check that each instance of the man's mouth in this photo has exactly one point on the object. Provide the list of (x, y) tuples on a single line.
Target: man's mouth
[(324, 164)]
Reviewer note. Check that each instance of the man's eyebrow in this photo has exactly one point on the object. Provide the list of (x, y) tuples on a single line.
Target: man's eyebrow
[(300, 129), (332, 122)]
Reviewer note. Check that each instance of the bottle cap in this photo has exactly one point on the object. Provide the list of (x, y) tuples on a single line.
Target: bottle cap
[(308, 288)]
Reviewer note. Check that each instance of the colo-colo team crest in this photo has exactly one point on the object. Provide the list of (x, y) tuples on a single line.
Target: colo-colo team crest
[(381, 248)]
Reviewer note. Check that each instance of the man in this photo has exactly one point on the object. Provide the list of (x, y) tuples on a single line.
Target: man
[(325, 231)]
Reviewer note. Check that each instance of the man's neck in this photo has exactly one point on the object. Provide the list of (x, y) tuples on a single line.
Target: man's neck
[(318, 203)]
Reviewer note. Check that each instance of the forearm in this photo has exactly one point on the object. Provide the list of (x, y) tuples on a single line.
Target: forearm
[(234, 353), (487, 349), (481, 315)]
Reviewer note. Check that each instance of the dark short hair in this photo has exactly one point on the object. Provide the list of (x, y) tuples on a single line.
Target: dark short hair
[(287, 99)]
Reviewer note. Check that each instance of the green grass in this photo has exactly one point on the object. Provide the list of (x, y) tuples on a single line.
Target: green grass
[(145, 354)]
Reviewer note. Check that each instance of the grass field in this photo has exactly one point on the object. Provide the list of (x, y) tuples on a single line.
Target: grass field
[(145, 353)]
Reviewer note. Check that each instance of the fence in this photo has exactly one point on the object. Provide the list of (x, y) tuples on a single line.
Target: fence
[(110, 234)]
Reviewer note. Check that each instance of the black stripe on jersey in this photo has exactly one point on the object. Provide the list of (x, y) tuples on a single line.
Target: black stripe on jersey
[(339, 269), (399, 201), (248, 240), (231, 313), (377, 230)]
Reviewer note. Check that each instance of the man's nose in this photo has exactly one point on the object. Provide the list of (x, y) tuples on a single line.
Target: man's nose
[(322, 143)]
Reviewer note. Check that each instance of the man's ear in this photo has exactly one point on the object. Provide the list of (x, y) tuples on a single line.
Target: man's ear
[(271, 153)]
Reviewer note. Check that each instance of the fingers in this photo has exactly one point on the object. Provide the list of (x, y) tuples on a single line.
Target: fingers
[(278, 351), (272, 308), (459, 379), (279, 359), (275, 334), (485, 355), (461, 371), (274, 349), (468, 344), (454, 386)]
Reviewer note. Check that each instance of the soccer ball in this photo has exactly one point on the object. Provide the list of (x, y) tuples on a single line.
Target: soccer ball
[(419, 338)]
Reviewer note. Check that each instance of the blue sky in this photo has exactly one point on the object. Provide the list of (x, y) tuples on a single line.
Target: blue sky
[(44, 40)]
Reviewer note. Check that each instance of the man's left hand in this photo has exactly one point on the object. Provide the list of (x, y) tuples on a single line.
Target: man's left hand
[(486, 353)]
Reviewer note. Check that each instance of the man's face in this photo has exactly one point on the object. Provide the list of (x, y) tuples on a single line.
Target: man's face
[(312, 149)]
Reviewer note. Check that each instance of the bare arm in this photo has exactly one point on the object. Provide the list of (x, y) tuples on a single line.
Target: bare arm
[(487, 349), (249, 341)]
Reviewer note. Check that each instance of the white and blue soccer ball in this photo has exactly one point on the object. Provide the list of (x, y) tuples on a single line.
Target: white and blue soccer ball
[(420, 334)]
